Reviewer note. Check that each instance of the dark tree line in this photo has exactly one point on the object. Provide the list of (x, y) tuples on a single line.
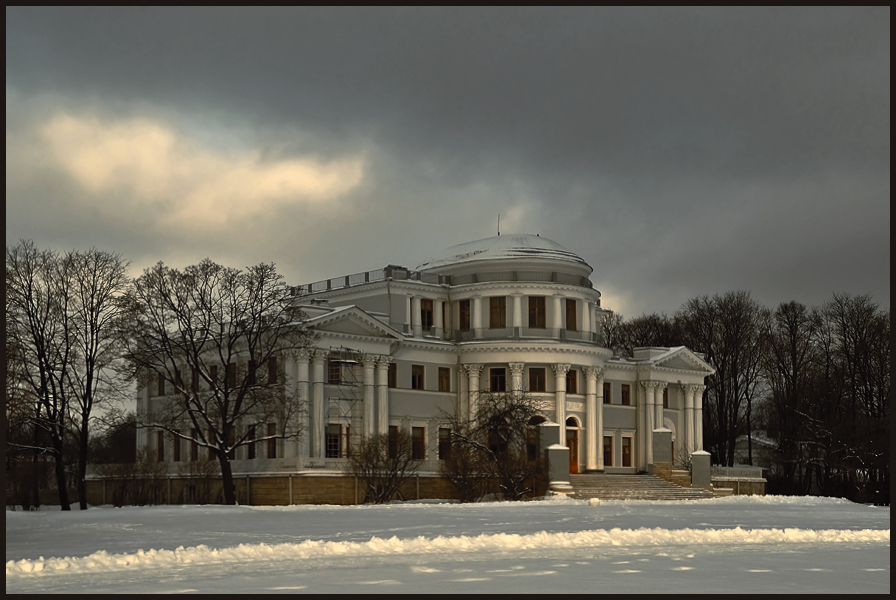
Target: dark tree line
[(815, 381)]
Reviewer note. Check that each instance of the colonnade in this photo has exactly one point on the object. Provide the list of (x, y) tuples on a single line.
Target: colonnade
[(311, 377)]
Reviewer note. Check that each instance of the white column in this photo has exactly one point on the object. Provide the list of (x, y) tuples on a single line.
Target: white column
[(593, 425), (698, 417), (688, 391), (516, 376), (560, 371), (517, 312), (369, 363), (476, 308), (660, 386), (318, 424), (650, 414), (586, 322), (382, 394), (437, 319), (472, 371), (302, 379), (641, 413), (557, 323), (416, 325)]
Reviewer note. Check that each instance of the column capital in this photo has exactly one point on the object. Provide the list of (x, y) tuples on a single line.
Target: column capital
[(517, 368), (593, 372), (472, 368), (560, 369), (648, 385), (661, 385), (368, 360), (382, 361), (318, 355), (302, 354)]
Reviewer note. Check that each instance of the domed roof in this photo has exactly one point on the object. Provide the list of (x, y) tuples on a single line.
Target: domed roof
[(519, 245)]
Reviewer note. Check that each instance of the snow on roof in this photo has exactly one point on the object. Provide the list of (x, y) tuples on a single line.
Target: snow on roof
[(518, 245)]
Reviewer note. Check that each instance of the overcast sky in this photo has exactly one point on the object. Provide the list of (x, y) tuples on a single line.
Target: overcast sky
[(679, 151)]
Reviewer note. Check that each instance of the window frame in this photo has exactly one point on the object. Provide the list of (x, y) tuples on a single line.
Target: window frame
[(463, 316), (571, 321), (497, 379), (497, 312), (427, 314), (572, 381), (537, 375), (418, 377), (608, 392), (444, 379), (626, 399), (537, 312)]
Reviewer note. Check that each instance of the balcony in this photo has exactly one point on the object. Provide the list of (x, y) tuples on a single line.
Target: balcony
[(524, 333)]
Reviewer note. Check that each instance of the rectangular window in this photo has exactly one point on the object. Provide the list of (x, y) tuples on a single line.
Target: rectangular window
[(392, 380), (334, 436), (211, 440), (607, 398), (175, 446), (417, 377), (608, 451), (665, 397), (498, 380), (444, 443), (536, 312), (572, 382), (213, 375), (160, 385), (444, 379), (272, 443), (250, 447), (536, 379), (231, 376), (272, 370), (626, 394), (334, 373), (497, 312), (418, 443), (626, 452), (195, 382), (393, 441), (463, 322), (251, 374), (426, 315), (194, 446), (178, 381), (160, 446), (571, 315)]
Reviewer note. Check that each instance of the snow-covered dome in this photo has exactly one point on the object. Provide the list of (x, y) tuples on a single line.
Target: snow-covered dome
[(513, 246)]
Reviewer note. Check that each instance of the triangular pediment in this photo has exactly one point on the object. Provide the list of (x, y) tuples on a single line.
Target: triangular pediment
[(352, 320), (682, 358)]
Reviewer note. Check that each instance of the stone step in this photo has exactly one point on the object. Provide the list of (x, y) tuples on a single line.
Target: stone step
[(640, 487)]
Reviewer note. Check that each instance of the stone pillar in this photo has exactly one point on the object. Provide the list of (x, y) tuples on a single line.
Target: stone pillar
[(472, 370), (594, 457), (476, 308), (701, 470), (416, 325), (517, 314), (438, 325), (688, 391), (659, 422), (698, 417), (586, 319), (650, 415), (318, 416), (516, 376), (382, 394), (302, 382), (560, 371), (368, 361), (557, 323)]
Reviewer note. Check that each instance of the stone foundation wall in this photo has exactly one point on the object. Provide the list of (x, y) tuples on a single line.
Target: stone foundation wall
[(741, 486)]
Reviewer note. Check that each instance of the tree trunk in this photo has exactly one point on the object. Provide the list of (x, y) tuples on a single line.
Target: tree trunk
[(61, 483), (227, 479), (82, 468)]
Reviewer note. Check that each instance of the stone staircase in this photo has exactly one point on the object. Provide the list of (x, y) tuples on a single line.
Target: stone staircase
[(632, 487)]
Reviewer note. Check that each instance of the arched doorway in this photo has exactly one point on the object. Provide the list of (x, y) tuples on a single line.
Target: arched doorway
[(572, 442)]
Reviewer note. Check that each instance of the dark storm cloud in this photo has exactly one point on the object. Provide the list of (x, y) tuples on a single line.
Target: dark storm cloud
[(679, 151)]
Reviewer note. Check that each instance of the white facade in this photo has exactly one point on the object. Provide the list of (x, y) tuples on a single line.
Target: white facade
[(401, 347)]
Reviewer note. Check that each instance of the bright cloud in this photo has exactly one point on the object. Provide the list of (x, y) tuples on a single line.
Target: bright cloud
[(150, 165)]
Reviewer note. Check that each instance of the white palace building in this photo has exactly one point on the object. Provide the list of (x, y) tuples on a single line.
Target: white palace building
[(404, 348)]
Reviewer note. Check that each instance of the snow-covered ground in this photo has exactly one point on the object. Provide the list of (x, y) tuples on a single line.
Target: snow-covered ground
[(725, 545)]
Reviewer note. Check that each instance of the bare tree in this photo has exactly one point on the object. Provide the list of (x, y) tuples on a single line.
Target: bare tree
[(497, 442), (39, 320), (383, 463), (211, 341)]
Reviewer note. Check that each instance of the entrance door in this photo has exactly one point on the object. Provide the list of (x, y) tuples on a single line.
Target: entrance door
[(572, 442)]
